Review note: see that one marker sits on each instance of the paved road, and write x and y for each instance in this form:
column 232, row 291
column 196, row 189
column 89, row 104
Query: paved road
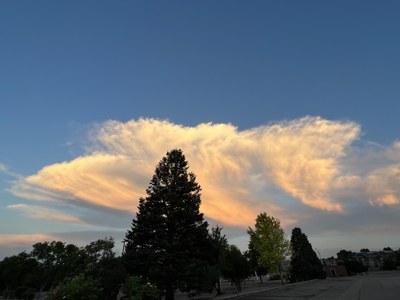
column 375, row 286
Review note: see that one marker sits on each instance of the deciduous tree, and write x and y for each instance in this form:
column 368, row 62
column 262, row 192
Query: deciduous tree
column 235, row 266
column 352, row 265
column 78, row 287
column 269, row 241
column 220, row 244
column 18, row 271
column 252, row 257
column 57, row 261
column 66, row 270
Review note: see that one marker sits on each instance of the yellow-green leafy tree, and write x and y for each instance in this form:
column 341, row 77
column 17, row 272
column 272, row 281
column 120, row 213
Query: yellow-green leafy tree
column 269, row 241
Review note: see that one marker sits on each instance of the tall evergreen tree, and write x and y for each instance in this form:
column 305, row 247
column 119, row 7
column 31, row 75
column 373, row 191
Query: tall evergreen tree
column 168, row 243
column 305, row 264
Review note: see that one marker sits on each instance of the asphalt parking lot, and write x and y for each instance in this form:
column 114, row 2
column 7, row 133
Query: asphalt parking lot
column 374, row 286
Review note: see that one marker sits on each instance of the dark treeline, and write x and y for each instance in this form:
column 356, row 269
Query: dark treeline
column 92, row 270
column 169, row 247
column 365, row 260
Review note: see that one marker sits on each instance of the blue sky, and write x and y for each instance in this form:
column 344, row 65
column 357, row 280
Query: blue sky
column 291, row 74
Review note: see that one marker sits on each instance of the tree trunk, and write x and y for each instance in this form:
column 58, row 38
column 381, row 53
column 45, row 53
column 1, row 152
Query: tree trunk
column 238, row 284
column 259, row 277
column 169, row 294
column 218, row 288
column 280, row 273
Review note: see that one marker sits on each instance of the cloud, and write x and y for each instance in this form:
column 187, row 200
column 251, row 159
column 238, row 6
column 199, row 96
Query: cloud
column 241, row 172
column 45, row 213
column 370, row 175
column 101, row 179
column 311, row 173
column 5, row 170
column 23, row 240
column 383, row 186
column 303, row 156
column 387, row 199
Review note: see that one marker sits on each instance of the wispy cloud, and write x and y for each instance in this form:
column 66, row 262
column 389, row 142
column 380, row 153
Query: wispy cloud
column 310, row 160
column 45, row 213
column 23, row 240
column 5, row 170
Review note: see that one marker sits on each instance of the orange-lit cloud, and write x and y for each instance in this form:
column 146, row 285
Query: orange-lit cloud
column 100, row 179
column 236, row 169
column 303, row 156
column 382, row 186
column 23, row 240
column 385, row 200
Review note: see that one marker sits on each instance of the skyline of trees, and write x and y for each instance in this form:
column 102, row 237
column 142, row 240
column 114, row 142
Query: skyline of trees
column 96, row 270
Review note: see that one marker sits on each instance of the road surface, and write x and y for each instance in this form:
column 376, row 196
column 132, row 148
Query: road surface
column 375, row 286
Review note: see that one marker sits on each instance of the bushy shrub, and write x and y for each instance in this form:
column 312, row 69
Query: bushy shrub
column 136, row 290
column 77, row 288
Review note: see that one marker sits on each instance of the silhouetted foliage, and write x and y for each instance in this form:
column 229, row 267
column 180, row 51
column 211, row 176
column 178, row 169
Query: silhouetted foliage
column 18, row 272
column 344, row 255
column 77, row 288
column 168, row 243
column 397, row 257
column 111, row 274
column 65, row 270
column 231, row 263
column 235, row 266
column 103, row 268
column 252, row 257
column 57, row 261
column 134, row 289
column 305, row 264
column 352, row 265
column 389, row 263
column 220, row 244
column 100, row 250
